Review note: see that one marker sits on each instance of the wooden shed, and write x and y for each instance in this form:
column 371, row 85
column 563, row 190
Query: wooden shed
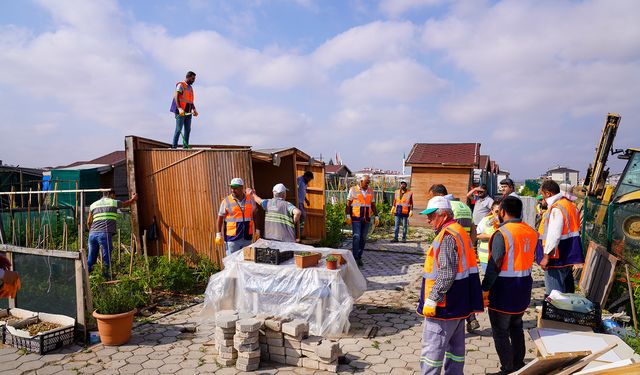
column 273, row 166
column 181, row 190
column 450, row 164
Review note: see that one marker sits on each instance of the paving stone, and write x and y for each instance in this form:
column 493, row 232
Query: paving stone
column 132, row 368
column 248, row 325
column 169, row 368
column 296, row 328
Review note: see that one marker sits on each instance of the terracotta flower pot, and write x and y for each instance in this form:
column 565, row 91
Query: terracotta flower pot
column 341, row 259
column 114, row 329
column 332, row 264
column 304, row 261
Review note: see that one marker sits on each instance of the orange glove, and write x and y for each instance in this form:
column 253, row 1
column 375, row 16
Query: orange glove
column 485, row 299
column 411, row 213
column 348, row 220
column 11, row 284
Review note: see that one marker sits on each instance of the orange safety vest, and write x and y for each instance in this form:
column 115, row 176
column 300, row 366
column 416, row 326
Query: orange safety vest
column 511, row 292
column 238, row 223
column 569, row 250
column 361, row 206
column 402, row 202
column 186, row 96
column 465, row 295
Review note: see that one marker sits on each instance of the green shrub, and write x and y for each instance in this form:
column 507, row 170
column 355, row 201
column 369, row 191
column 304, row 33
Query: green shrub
column 334, row 225
column 175, row 276
column 205, row 267
column 116, row 297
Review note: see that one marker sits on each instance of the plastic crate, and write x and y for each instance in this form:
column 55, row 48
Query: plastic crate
column 591, row 319
column 271, row 256
column 42, row 343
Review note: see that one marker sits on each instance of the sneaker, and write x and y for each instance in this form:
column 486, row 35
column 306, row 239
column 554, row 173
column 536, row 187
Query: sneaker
column 359, row 262
column 394, row 240
column 473, row 325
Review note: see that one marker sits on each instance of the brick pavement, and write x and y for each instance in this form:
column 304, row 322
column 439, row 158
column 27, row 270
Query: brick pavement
column 393, row 283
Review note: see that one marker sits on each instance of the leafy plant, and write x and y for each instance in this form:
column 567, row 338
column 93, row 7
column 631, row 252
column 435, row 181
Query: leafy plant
column 332, row 258
column 174, row 275
column 116, row 297
column 334, row 225
column 205, row 267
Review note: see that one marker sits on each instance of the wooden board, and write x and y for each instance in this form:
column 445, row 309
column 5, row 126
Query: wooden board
column 549, row 364
column 623, row 367
column 598, row 273
column 585, row 361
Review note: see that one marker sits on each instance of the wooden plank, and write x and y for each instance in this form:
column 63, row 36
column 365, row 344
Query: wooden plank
column 609, row 369
column 44, row 252
column 549, row 364
column 585, row 361
column 131, row 182
column 80, row 295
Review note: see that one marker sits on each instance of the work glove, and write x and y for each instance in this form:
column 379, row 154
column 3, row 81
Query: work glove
column 181, row 111
column 195, row 113
column 485, row 299
column 428, row 310
column 393, row 210
column 376, row 221
column 347, row 220
column 411, row 213
column 219, row 240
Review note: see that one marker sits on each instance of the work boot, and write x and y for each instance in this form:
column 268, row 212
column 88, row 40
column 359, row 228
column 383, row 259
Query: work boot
column 404, row 240
column 473, row 324
column 394, row 240
column 359, row 262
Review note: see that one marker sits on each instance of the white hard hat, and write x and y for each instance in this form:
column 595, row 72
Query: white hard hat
column 279, row 188
column 236, row 182
column 435, row 203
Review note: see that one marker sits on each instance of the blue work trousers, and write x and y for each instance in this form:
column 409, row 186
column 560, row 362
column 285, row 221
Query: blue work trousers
column 182, row 121
column 360, row 233
column 99, row 240
column 405, row 224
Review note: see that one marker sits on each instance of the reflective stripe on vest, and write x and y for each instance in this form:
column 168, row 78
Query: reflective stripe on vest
column 186, row 96
column 569, row 249
column 483, row 245
column 402, row 202
column 361, row 206
column 511, row 291
column 236, row 217
column 462, row 214
column 464, row 296
column 104, row 209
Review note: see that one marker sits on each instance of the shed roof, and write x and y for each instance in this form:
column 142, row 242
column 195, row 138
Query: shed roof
column 453, row 154
column 560, row 169
column 484, row 162
column 336, row 168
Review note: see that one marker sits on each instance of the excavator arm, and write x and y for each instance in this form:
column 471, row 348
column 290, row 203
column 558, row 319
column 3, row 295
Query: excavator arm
column 596, row 178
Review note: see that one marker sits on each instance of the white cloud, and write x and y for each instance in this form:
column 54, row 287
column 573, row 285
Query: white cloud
column 403, row 80
column 371, row 42
column 396, row 8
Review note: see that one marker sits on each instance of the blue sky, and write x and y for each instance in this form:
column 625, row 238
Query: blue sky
column 531, row 81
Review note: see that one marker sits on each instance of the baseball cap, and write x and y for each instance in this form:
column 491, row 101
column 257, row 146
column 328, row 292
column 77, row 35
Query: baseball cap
column 279, row 188
column 236, row 182
column 436, row 203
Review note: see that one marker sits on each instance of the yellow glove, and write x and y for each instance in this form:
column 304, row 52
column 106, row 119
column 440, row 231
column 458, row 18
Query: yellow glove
column 485, row 299
column 219, row 240
column 376, row 221
column 393, row 210
column 348, row 220
column 411, row 213
column 428, row 311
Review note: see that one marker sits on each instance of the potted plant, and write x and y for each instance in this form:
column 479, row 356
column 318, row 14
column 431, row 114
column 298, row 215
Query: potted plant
column 341, row 259
column 307, row 259
column 332, row 262
column 115, row 304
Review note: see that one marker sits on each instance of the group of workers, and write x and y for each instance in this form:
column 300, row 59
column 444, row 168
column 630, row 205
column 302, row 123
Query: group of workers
column 452, row 291
column 235, row 227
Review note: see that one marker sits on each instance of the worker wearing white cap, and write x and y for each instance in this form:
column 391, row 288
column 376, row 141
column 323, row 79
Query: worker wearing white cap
column 235, row 218
column 450, row 291
column 280, row 217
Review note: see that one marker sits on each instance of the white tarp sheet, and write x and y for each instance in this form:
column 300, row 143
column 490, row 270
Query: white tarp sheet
column 322, row 297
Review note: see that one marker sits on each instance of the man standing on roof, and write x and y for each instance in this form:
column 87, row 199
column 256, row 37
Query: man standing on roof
column 402, row 208
column 360, row 205
column 303, row 181
column 235, row 218
column 102, row 224
column 280, row 217
column 450, row 291
column 183, row 108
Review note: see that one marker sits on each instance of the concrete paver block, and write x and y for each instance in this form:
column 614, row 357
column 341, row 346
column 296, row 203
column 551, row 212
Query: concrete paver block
column 248, row 325
column 296, row 328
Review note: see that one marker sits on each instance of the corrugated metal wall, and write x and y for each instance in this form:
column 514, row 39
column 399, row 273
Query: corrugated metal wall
column 182, row 190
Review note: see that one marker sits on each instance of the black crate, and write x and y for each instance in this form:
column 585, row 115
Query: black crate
column 43, row 343
column 272, row 256
column 591, row 319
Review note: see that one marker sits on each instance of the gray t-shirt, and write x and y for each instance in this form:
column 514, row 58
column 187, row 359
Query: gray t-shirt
column 481, row 209
column 104, row 215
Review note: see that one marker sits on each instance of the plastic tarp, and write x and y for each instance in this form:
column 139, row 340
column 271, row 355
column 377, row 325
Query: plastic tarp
column 320, row 296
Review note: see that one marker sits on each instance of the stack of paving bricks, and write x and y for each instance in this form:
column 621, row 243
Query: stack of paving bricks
column 246, row 343
column 288, row 342
column 225, row 332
